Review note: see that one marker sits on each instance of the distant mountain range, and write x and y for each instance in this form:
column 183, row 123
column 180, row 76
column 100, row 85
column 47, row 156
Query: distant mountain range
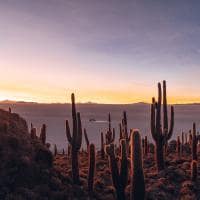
column 92, row 103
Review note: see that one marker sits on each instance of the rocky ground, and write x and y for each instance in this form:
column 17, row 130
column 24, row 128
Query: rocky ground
column 28, row 171
column 172, row 183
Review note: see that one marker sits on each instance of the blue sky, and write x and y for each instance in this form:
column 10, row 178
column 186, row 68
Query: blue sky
column 105, row 51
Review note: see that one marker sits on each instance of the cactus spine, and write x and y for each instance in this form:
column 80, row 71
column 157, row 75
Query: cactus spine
column 194, row 143
column 75, row 140
column 43, row 134
column 119, row 177
column 161, row 136
column 91, row 167
column 137, row 174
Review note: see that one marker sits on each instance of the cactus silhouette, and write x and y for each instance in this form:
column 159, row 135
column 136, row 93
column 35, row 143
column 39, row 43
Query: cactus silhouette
column 145, row 146
column 194, row 143
column 110, row 135
column 182, row 142
column 137, row 174
column 194, row 169
column 86, row 138
column 178, row 147
column 91, row 168
column 55, row 150
column 33, row 133
column 102, row 146
column 119, row 176
column 159, row 134
column 43, row 134
column 75, row 140
column 125, row 126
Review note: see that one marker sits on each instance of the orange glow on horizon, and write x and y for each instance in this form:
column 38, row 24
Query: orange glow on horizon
column 55, row 95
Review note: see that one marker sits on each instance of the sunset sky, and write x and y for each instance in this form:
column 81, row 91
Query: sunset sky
column 106, row 51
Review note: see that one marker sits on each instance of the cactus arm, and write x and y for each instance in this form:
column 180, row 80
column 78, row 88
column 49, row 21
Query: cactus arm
column 86, row 138
column 113, row 135
column 124, row 164
column 102, row 146
column 74, row 117
column 158, row 109
column 153, row 128
column 120, row 131
column 125, row 124
column 169, row 135
column 79, row 133
column 165, row 116
column 109, row 122
column 68, row 134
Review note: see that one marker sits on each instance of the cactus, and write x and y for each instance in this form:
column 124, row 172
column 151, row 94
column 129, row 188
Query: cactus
column 137, row 174
column 86, row 138
column 119, row 177
column 75, row 140
column 55, row 150
column 145, row 146
column 194, row 143
column 120, row 132
column 102, row 146
column 43, row 134
column 124, row 123
column 110, row 136
column 161, row 136
column 109, row 122
column 178, row 147
column 68, row 150
column 91, row 167
column 186, row 138
column 194, row 170
column 190, row 137
column 182, row 142
column 33, row 133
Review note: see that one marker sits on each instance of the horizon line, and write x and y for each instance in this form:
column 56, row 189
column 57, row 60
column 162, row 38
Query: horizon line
column 9, row 101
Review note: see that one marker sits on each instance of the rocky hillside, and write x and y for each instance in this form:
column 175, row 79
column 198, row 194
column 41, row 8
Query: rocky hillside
column 26, row 167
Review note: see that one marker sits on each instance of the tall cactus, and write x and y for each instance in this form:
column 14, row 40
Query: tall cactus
column 43, row 134
column 75, row 140
column 91, row 168
column 119, row 176
column 159, row 134
column 194, row 143
column 137, row 174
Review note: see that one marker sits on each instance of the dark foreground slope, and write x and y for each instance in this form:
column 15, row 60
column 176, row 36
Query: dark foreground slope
column 26, row 166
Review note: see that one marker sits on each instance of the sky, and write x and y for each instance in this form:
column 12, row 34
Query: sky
column 108, row 51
